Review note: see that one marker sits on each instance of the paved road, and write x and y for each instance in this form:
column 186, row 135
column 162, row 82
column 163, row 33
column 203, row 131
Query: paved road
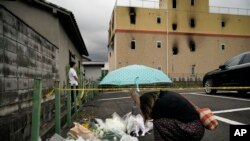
column 229, row 107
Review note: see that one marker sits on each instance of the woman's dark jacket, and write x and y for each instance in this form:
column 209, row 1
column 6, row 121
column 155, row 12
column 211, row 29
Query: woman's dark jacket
column 173, row 105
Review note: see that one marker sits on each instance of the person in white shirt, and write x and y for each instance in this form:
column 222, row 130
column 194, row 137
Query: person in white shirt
column 73, row 79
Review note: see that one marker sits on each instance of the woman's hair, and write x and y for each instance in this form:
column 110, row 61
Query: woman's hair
column 147, row 101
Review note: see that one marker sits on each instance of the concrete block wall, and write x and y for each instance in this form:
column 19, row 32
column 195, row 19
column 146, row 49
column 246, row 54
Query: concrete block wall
column 24, row 56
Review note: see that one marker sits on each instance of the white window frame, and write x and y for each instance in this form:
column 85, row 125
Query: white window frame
column 157, row 44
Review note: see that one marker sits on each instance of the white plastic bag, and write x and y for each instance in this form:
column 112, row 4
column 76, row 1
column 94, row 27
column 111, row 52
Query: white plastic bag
column 128, row 138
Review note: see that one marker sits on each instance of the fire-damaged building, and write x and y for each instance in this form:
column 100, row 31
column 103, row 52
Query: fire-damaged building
column 183, row 38
column 37, row 41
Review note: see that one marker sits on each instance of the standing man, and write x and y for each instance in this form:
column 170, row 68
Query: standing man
column 73, row 79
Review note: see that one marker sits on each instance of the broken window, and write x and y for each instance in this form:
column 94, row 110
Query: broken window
column 174, row 26
column 192, row 46
column 133, row 44
column 192, row 22
column 132, row 15
column 223, row 23
column 158, row 19
column 158, row 44
column 192, row 2
column 174, row 3
column 175, row 50
column 222, row 46
column 159, row 67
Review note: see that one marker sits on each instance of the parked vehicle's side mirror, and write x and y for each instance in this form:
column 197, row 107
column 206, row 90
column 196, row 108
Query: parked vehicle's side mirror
column 222, row 67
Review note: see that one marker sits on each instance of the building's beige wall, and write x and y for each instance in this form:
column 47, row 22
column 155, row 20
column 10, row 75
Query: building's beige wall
column 146, row 51
column 145, row 19
column 47, row 25
column 209, row 23
column 207, row 56
column 200, row 5
column 208, row 35
column 111, row 58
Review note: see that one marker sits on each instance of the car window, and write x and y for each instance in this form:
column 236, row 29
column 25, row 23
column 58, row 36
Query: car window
column 246, row 59
column 233, row 61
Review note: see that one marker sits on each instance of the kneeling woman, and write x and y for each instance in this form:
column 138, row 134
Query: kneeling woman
column 174, row 117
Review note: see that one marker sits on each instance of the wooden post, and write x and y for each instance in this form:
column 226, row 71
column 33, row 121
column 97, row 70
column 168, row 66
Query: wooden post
column 57, row 109
column 36, row 111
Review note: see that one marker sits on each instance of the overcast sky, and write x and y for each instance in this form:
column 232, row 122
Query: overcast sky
column 93, row 17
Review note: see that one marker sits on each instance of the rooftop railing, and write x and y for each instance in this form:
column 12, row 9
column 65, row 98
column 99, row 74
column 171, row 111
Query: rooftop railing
column 229, row 10
column 138, row 3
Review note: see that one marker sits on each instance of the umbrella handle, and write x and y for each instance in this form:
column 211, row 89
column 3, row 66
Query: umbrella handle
column 136, row 84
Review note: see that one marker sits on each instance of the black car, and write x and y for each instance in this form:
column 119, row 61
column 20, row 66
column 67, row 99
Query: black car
column 234, row 73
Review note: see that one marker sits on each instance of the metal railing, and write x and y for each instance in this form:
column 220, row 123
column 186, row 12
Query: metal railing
column 138, row 3
column 229, row 10
column 89, row 90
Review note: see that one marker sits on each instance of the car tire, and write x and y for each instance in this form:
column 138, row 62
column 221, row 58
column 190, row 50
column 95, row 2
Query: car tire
column 209, row 83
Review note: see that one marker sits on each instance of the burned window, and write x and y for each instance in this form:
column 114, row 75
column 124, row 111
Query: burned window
column 159, row 68
column 223, row 23
column 158, row 44
column 158, row 19
column 133, row 44
column 192, row 46
column 192, row 2
column 132, row 15
column 222, row 46
column 175, row 50
column 174, row 26
column 192, row 22
column 174, row 3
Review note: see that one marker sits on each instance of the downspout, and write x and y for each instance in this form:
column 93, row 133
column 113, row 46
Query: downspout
column 167, row 39
column 115, row 47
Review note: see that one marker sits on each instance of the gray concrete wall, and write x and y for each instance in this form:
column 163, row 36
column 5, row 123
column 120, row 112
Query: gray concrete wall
column 24, row 56
column 93, row 72
column 49, row 26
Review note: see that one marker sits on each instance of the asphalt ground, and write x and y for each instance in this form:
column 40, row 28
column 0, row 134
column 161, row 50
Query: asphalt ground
column 230, row 108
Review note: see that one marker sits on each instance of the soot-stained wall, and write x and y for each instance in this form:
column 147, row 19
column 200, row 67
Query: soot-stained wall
column 24, row 56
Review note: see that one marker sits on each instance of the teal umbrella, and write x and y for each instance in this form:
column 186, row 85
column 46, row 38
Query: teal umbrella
column 135, row 75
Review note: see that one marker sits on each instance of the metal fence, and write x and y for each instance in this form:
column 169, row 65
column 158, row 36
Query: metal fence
column 85, row 93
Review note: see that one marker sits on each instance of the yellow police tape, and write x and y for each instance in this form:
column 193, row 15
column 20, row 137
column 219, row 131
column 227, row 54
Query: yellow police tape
column 158, row 88
column 50, row 93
